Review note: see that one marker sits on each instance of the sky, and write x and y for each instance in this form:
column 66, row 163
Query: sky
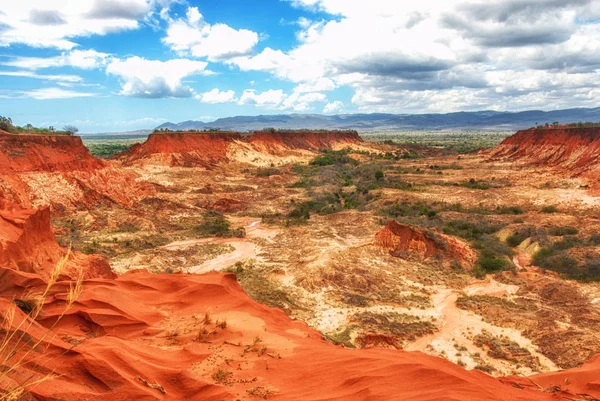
column 121, row 65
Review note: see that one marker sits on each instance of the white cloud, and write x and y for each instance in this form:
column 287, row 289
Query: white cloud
column 84, row 59
column 55, row 24
column 215, row 96
column 54, row 93
column 320, row 85
column 277, row 99
column 153, row 78
column 194, row 36
column 29, row 74
column 270, row 99
column 334, row 107
column 443, row 56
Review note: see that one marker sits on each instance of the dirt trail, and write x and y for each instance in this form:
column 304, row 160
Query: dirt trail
column 244, row 248
column 455, row 326
column 444, row 303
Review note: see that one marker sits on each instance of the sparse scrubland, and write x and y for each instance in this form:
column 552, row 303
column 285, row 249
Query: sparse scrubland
column 435, row 248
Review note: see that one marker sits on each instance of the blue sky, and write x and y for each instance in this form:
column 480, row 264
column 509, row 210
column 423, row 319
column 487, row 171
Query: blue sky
column 119, row 65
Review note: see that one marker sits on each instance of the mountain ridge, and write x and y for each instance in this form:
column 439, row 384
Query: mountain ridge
column 481, row 120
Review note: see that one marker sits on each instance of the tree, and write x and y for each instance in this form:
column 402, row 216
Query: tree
column 71, row 129
column 6, row 124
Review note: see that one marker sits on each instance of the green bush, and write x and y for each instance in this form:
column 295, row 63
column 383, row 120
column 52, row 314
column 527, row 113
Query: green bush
column 475, row 184
column 331, row 157
column 562, row 231
column 549, row 209
column 510, row 210
column 214, row 225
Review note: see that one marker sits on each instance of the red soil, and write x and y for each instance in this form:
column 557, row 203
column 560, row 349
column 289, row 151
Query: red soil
column 575, row 151
column 206, row 149
column 142, row 336
column 184, row 149
column 58, row 170
column 277, row 143
column 403, row 241
column 27, row 243
column 144, row 326
column 32, row 153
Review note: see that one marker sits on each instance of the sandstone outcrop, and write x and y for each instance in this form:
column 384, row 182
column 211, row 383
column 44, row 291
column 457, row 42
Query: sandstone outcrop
column 207, row 149
column 28, row 244
column 574, row 151
column 408, row 242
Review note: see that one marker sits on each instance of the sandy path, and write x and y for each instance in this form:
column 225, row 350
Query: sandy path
column 243, row 248
column 444, row 303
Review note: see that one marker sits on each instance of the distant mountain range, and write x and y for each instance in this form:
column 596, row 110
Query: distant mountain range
column 477, row 120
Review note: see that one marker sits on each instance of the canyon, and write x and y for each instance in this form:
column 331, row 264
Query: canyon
column 299, row 265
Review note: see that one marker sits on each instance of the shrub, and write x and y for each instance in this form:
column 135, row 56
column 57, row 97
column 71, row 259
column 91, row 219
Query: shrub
column 70, row 129
column 330, row 157
column 562, row 231
column 214, row 225
column 6, row 124
column 267, row 172
column 594, row 239
column 559, row 262
column 475, row 184
column 549, row 209
column 510, row 210
column 516, row 239
column 379, row 175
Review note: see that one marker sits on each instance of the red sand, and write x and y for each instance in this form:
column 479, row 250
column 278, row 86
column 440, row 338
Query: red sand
column 144, row 325
column 27, row 243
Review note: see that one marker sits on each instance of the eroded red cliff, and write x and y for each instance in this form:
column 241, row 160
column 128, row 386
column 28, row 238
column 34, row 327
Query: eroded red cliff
column 207, row 149
column 575, row 151
column 34, row 153
column 58, row 170
column 184, row 149
column 408, row 242
column 28, row 244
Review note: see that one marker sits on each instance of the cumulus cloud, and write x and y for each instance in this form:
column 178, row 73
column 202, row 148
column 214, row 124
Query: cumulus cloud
column 193, row 36
column 216, row 96
column 277, row 99
column 333, row 107
column 154, row 79
column 58, row 23
column 442, row 56
column 270, row 99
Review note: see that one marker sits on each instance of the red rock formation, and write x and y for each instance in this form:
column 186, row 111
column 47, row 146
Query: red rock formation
column 34, row 153
column 404, row 241
column 58, row 170
column 184, row 149
column 277, row 143
column 206, row 149
column 575, row 151
column 137, row 338
column 28, row 244
column 228, row 205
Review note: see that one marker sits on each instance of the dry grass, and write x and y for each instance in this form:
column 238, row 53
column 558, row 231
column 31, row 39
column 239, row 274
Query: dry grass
column 16, row 350
column 222, row 376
